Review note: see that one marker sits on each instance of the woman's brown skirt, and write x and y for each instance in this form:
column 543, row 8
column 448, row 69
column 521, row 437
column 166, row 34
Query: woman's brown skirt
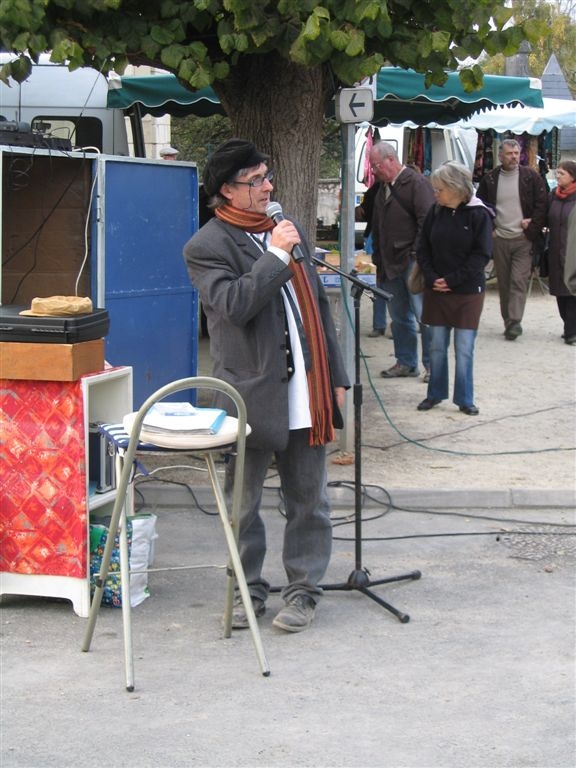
column 454, row 310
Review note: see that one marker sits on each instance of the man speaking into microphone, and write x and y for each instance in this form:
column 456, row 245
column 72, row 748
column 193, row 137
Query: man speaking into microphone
column 272, row 337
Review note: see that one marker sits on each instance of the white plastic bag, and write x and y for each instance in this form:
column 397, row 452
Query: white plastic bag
column 142, row 553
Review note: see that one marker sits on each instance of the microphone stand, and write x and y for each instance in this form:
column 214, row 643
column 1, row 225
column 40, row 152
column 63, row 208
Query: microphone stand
column 359, row 579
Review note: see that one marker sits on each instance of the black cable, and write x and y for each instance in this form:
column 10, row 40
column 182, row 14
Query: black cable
column 188, row 487
column 421, row 443
column 47, row 217
column 481, row 424
column 485, row 517
column 389, row 506
column 498, row 535
column 37, row 232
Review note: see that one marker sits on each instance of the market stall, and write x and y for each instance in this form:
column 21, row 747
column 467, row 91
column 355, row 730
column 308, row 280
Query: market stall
column 536, row 129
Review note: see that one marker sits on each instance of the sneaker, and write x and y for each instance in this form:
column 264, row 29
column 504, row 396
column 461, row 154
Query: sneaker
column 376, row 332
column 297, row 614
column 239, row 616
column 399, row 371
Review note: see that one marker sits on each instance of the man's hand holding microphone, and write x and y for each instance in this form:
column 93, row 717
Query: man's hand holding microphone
column 284, row 235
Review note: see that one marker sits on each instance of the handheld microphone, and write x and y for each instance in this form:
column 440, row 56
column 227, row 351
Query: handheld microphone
column 274, row 211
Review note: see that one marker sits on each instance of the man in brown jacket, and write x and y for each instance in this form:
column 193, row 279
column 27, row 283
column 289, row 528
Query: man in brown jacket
column 404, row 199
column 518, row 194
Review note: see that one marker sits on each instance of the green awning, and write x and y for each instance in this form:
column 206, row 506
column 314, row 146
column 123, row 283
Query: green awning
column 400, row 97
column 162, row 95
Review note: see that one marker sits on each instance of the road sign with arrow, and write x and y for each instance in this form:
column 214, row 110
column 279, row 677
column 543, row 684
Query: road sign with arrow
column 354, row 105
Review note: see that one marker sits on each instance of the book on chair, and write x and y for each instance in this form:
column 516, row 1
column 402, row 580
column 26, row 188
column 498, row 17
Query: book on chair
column 184, row 418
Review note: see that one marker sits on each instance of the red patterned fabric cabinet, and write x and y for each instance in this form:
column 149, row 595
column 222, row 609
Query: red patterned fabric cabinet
column 45, row 497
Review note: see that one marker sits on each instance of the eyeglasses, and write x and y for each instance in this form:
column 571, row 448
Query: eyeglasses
column 257, row 181
column 377, row 165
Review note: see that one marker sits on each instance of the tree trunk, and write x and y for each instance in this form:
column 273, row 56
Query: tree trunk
column 265, row 113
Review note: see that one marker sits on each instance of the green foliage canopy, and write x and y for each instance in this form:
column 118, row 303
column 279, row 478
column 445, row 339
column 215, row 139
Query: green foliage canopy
column 202, row 41
column 559, row 17
column 275, row 64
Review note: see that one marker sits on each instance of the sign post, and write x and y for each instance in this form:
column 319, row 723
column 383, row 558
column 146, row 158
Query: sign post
column 353, row 105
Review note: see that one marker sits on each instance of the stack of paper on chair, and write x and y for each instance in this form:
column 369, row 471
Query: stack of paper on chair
column 185, row 427
column 183, row 418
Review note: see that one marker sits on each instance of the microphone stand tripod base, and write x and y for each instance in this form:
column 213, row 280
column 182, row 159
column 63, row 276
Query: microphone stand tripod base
column 359, row 580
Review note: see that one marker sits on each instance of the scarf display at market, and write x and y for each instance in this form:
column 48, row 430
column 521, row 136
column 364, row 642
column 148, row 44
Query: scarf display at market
column 319, row 384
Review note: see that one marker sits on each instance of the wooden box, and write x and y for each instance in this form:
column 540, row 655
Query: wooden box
column 50, row 362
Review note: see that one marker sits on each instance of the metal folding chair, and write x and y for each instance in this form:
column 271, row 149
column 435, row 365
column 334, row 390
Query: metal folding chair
column 205, row 447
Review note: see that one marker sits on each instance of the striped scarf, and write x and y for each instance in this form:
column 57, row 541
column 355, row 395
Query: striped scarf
column 246, row 220
column 319, row 384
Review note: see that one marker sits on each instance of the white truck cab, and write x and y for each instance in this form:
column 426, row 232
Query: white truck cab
column 61, row 109
column 444, row 144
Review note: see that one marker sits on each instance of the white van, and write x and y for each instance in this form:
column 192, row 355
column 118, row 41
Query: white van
column 444, row 144
column 60, row 109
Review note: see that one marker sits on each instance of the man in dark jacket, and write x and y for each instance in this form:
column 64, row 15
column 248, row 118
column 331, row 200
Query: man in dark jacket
column 518, row 195
column 272, row 337
column 365, row 212
column 404, row 199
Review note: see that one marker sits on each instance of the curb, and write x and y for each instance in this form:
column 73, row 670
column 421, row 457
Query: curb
column 159, row 494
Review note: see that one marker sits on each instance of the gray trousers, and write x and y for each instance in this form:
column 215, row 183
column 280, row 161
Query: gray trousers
column 307, row 544
column 513, row 264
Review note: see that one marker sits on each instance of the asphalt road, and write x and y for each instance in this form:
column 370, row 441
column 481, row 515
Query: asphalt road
column 483, row 673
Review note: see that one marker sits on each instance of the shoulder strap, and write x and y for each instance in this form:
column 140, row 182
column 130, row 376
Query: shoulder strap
column 400, row 202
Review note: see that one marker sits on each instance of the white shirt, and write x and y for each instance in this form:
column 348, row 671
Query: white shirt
column 298, row 397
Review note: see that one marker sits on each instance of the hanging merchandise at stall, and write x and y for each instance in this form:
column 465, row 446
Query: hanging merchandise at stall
column 537, row 129
column 540, row 152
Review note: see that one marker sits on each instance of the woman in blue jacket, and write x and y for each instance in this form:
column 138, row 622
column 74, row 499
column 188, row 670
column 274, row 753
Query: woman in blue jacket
column 453, row 250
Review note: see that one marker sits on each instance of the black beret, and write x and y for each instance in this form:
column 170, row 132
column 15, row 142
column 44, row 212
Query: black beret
column 224, row 163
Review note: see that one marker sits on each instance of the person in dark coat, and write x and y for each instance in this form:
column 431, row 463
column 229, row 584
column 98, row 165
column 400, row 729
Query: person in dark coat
column 561, row 207
column 272, row 337
column 365, row 212
column 403, row 200
column 454, row 247
column 518, row 194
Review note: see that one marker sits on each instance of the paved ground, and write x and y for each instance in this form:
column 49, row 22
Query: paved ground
column 481, row 676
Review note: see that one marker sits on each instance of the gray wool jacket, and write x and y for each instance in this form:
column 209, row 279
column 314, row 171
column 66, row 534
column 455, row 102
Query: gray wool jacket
column 240, row 290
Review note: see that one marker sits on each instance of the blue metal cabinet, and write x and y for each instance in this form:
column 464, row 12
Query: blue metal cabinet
column 144, row 212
